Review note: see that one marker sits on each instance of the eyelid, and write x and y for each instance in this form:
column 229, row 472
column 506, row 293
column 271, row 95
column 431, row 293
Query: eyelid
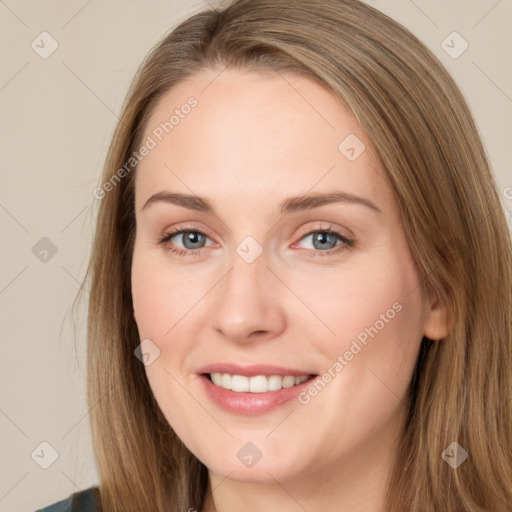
column 347, row 241
column 325, row 226
column 163, row 239
column 177, row 228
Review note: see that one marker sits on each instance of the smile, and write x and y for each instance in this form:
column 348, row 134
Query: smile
column 255, row 384
column 255, row 394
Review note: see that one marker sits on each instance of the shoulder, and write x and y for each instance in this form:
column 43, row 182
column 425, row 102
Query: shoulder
column 87, row 500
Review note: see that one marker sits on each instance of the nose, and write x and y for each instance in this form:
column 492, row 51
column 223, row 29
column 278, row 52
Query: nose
column 248, row 305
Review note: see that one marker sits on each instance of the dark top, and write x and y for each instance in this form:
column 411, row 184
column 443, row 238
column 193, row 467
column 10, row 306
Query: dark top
column 87, row 500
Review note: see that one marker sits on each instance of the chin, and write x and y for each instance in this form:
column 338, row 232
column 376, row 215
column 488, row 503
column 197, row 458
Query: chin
column 255, row 462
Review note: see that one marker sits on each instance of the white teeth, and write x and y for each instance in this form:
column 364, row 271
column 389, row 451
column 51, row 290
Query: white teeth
column 257, row 384
column 275, row 383
column 288, row 381
column 226, row 380
column 240, row 383
column 217, row 379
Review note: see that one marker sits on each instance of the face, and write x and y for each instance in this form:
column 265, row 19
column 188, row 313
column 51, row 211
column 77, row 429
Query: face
column 257, row 291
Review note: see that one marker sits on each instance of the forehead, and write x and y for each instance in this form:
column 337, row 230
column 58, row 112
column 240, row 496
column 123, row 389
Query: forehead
column 251, row 135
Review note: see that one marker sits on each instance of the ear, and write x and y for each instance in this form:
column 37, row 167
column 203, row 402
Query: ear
column 437, row 322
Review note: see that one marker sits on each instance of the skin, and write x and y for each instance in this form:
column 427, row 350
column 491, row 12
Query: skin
column 252, row 141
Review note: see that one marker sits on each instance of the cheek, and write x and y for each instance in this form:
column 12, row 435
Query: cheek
column 162, row 294
column 354, row 300
column 372, row 316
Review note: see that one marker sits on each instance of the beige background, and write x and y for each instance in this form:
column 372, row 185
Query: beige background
column 57, row 117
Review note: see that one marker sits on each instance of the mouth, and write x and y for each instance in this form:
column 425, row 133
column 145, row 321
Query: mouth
column 252, row 389
column 256, row 383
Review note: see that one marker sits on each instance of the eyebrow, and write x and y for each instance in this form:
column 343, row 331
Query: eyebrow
column 290, row 205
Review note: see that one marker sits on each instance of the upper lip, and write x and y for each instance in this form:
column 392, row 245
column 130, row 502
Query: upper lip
column 251, row 370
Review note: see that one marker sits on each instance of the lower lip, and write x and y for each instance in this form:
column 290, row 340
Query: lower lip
column 251, row 404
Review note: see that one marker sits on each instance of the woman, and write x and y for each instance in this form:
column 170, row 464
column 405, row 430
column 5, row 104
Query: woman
column 235, row 361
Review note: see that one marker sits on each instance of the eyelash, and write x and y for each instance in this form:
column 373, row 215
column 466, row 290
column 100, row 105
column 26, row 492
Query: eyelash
column 346, row 242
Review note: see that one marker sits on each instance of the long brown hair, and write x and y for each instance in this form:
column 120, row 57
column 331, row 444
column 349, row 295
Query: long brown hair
column 427, row 142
